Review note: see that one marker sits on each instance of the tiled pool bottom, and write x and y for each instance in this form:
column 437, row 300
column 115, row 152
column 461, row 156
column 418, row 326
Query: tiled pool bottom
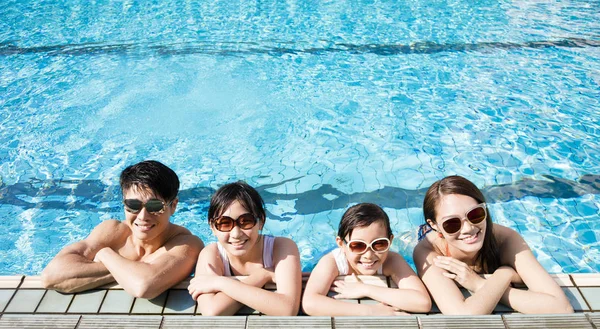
column 25, row 304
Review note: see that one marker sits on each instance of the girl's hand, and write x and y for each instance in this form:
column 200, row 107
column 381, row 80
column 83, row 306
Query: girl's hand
column 204, row 284
column 350, row 290
column 459, row 272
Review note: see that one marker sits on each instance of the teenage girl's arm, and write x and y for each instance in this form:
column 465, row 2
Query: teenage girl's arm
column 440, row 275
column 288, row 278
column 74, row 269
column 411, row 295
column 544, row 295
column 211, row 301
column 316, row 301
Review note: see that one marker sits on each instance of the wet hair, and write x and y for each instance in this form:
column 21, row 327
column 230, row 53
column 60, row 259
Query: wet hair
column 363, row 215
column 489, row 257
column 152, row 175
column 239, row 191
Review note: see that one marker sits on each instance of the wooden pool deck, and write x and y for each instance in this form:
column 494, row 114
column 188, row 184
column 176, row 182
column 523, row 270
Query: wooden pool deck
column 25, row 304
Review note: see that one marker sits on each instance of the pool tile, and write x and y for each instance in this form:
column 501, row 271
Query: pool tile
column 119, row 321
column 204, row 322
column 562, row 280
column 313, row 322
column 149, row 306
column 5, row 295
column 87, row 301
column 54, row 302
column 25, row 301
column 117, row 301
column 462, row 321
column 33, row 282
column 348, row 322
column 562, row 321
column 592, row 295
column 179, row 302
column 12, row 321
column 586, row 279
column 7, row 282
column 575, row 299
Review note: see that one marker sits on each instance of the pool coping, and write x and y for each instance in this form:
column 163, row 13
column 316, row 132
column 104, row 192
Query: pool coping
column 23, row 299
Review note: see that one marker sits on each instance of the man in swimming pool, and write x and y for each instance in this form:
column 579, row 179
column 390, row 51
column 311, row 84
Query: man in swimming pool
column 146, row 254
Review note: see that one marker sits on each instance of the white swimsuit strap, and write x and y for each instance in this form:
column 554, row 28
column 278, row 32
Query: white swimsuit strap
column 223, row 253
column 268, row 242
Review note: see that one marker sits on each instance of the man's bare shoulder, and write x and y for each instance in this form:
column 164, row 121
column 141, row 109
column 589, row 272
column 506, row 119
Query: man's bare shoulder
column 109, row 231
column 182, row 236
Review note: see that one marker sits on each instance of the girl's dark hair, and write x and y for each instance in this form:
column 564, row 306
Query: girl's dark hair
column 488, row 257
column 239, row 191
column 151, row 175
column 362, row 215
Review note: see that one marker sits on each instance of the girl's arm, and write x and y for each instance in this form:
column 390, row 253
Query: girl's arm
column 284, row 301
column 440, row 275
column 544, row 295
column 316, row 301
column 411, row 295
column 203, row 288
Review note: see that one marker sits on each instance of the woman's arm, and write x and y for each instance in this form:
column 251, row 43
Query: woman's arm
column 544, row 295
column 316, row 301
column 440, row 275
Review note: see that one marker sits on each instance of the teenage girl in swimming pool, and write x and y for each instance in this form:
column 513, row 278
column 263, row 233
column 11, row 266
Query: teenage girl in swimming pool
column 236, row 216
column 364, row 239
column 459, row 242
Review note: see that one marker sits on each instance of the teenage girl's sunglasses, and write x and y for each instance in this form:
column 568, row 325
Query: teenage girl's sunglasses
column 153, row 206
column 360, row 247
column 474, row 215
column 226, row 223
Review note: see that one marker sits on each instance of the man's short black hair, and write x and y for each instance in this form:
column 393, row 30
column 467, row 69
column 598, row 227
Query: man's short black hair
column 151, row 175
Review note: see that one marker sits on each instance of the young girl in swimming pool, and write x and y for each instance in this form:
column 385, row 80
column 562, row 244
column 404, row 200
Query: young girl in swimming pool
column 465, row 244
column 236, row 217
column 364, row 239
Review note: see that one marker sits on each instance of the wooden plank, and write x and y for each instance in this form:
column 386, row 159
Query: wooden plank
column 204, row 322
column 12, row 321
column 294, row 322
column 558, row 321
column 462, row 321
column 349, row 322
column 120, row 322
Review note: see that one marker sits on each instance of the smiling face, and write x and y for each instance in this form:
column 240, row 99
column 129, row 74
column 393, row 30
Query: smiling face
column 146, row 226
column 469, row 239
column 369, row 262
column 238, row 242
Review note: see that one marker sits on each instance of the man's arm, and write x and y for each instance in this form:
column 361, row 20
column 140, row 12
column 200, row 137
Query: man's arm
column 73, row 269
column 148, row 280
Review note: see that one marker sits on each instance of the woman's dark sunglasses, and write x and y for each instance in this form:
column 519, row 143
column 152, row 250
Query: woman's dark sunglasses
column 474, row 215
column 360, row 247
column 153, row 206
column 226, row 223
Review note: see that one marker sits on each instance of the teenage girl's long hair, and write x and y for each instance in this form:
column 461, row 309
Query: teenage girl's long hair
column 488, row 258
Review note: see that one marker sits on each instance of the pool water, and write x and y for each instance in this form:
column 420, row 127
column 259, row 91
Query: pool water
column 319, row 105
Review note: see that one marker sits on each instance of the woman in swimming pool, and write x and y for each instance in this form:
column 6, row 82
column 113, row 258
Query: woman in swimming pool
column 465, row 243
column 364, row 239
column 236, row 216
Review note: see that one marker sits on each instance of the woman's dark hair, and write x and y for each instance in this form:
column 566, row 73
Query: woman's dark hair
column 362, row 215
column 239, row 191
column 151, row 175
column 488, row 257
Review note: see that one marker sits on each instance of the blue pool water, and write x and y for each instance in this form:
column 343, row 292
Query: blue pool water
column 319, row 104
